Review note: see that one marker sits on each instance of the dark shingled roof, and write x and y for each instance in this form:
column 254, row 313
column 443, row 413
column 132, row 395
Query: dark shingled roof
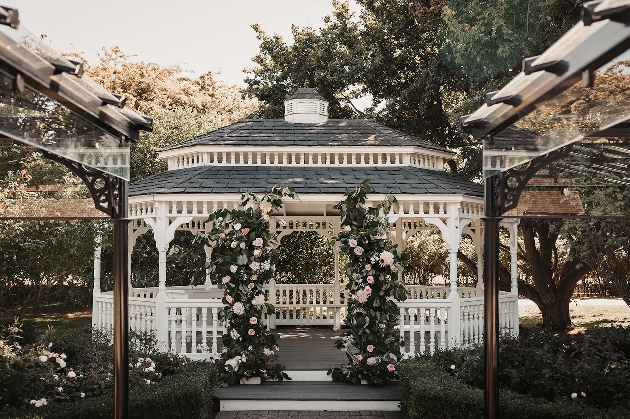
column 333, row 132
column 306, row 180
column 306, row 93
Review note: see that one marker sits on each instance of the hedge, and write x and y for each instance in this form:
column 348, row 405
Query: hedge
column 429, row 393
column 184, row 396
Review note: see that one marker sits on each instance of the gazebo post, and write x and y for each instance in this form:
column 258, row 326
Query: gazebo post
column 491, row 297
column 121, row 320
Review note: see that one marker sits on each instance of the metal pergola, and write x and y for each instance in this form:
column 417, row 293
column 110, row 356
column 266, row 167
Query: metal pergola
column 47, row 102
column 600, row 37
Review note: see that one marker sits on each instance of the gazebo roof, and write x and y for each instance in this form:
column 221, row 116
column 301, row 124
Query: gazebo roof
column 333, row 132
column 317, row 180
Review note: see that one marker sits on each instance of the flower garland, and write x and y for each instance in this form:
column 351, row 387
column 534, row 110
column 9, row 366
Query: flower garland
column 242, row 264
column 373, row 342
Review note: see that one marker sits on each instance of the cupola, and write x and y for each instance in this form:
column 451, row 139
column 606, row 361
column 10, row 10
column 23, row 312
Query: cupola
column 306, row 106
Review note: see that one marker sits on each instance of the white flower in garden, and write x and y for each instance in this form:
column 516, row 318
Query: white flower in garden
column 234, row 334
column 229, row 299
column 39, row 403
column 347, row 229
column 222, row 236
column 233, row 245
column 370, row 279
column 225, row 279
column 268, row 352
column 453, row 367
column 71, row 374
column 259, row 300
column 82, row 394
column 254, row 266
column 147, row 381
column 43, row 358
column 352, row 242
column 237, row 226
column 257, row 253
column 60, row 389
column 358, row 250
column 265, row 266
column 254, row 277
column 390, row 367
column 253, row 320
column 361, row 297
column 63, row 356
column 233, row 268
column 258, row 242
column 265, row 207
column 574, row 396
column 386, row 258
column 245, row 231
column 582, row 394
column 55, row 377
column 61, row 362
column 372, row 361
column 239, row 308
column 232, row 363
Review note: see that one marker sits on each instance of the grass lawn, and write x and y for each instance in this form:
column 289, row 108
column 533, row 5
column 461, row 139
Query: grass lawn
column 60, row 320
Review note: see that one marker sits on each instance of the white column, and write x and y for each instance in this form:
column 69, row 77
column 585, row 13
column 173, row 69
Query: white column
column 97, row 281
column 512, row 226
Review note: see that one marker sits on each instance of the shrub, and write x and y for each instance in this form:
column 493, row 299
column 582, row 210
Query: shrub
column 430, row 393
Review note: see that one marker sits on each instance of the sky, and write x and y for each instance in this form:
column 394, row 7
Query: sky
column 198, row 35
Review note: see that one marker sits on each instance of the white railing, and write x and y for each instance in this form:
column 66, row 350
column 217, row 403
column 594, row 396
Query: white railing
column 186, row 319
column 306, row 304
column 193, row 328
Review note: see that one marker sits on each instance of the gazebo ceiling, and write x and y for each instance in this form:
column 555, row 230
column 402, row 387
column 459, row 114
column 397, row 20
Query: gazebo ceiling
column 306, row 180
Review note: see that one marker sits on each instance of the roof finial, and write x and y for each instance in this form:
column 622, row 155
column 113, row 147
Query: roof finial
column 306, row 84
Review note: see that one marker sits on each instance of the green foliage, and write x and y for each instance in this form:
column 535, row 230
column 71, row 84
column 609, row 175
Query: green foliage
column 373, row 342
column 589, row 369
column 426, row 386
column 425, row 257
column 243, row 262
column 293, row 268
column 71, row 373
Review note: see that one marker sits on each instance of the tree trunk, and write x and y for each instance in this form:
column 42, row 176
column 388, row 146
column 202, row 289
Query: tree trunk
column 555, row 314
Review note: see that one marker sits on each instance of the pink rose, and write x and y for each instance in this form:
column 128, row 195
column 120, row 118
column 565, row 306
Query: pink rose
column 229, row 299
column 370, row 279
column 359, row 358
column 352, row 242
column 265, row 217
column 251, row 332
column 370, row 348
column 368, row 290
column 368, row 267
column 257, row 253
column 225, row 279
column 358, row 250
column 393, row 268
column 390, row 367
column 253, row 320
column 245, row 230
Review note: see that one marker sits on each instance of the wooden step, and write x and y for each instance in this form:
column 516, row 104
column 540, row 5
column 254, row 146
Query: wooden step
column 309, row 396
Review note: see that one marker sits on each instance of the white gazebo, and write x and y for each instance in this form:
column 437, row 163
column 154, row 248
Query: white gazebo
column 321, row 158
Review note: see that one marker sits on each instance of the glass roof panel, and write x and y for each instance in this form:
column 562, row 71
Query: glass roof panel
column 566, row 119
column 33, row 118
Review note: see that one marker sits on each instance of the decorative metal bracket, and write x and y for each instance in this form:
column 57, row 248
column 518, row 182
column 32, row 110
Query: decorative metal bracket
column 512, row 183
column 106, row 190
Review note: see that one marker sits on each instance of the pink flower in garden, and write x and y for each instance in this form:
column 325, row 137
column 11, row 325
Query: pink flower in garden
column 368, row 267
column 393, row 357
column 359, row 358
column 370, row 279
column 225, row 279
column 255, row 266
column 258, row 242
column 372, row 361
column 346, row 294
column 233, row 245
column 368, row 290
column 352, row 242
column 257, row 253
column 265, row 217
column 245, row 231
column 254, row 277
column 347, row 229
column 222, row 236
column 251, row 332
column 390, row 367
column 358, row 250
column 229, row 299
column 393, row 268
column 370, row 348
column 253, row 320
